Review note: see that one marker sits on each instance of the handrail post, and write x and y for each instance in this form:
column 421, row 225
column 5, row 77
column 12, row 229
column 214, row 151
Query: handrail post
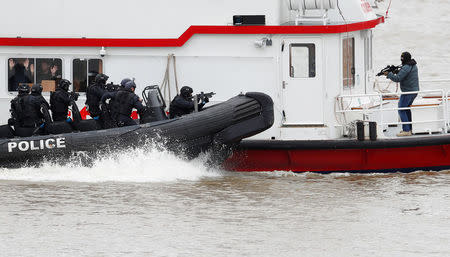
column 445, row 110
column 381, row 112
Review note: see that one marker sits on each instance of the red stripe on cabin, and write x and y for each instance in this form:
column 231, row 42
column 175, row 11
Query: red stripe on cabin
column 192, row 30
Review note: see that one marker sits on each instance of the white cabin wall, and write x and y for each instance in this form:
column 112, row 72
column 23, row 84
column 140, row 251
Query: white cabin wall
column 125, row 19
column 333, row 82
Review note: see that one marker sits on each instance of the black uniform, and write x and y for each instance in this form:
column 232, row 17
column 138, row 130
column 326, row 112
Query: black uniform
column 93, row 96
column 38, row 97
column 121, row 105
column 59, row 104
column 181, row 106
column 26, row 111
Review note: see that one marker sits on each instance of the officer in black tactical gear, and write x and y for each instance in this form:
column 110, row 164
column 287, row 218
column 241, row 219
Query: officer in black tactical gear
column 183, row 103
column 94, row 95
column 122, row 103
column 60, row 100
column 36, row 92
column 16, row 108
column 26, row 112
column 124, row 82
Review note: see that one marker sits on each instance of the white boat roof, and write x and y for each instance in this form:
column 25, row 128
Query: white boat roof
column 137, row 19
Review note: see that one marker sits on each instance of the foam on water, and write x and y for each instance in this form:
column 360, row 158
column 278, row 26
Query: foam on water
column 137, row 165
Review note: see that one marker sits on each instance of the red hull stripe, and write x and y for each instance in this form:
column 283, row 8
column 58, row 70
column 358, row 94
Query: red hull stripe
column 341, row 160
column 177, row 42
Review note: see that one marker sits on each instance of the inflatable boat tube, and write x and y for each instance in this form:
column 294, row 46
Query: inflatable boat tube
column 223, row 124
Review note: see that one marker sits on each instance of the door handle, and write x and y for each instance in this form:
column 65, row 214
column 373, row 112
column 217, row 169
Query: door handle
column 284, row 84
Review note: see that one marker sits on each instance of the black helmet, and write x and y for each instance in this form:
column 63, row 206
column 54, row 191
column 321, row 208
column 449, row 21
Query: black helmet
column 130, row 84
column 101, row 78
column 406, row 57
column 23, row 89
column 186, row 91
column 36, row 88
column 64, row 84
column 124, row 82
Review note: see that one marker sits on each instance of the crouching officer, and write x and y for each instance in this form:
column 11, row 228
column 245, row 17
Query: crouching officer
column 183, row 103
column 122, row 103
column 60, row 100
column 94, row 95
column 26, row 113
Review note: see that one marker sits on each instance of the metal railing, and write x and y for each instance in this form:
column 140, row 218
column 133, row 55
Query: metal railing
column 378, row 107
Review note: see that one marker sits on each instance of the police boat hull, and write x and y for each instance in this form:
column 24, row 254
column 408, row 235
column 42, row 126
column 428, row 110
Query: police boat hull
column 223, row 124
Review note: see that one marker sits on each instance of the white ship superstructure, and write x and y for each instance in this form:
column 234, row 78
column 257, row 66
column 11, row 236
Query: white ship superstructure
column 302, row 53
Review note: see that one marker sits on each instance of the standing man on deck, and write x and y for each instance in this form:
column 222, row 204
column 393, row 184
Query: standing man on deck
column 408, row 77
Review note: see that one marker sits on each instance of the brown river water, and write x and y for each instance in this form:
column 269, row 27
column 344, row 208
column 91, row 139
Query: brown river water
column 156, row 204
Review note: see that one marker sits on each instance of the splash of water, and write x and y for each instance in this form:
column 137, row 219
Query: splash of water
column 150, row 164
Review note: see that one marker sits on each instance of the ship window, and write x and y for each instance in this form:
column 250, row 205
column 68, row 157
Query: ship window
column 84, row 72
column 302, row 61
column 46, row 71
column 348, row 50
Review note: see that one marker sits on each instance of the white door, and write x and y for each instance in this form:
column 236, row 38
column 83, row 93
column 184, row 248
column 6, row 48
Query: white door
column 302, row 82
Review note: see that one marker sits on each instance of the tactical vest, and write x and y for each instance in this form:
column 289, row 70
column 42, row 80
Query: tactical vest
column 56, row 103
column 123, row 102
column 27, row 111
column 176, row 110
column 91, row 97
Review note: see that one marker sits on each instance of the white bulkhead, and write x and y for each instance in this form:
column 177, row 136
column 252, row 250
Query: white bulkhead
column 302, row 67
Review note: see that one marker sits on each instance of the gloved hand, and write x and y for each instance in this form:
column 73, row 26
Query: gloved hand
column 11, row 121
column 69, row 120
column 74, row 96
column 206, row 100
column 96, row 118
column 42, row 125
column 103, row 107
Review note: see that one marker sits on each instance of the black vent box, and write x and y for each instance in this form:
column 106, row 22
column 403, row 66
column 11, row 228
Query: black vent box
column 239, row 20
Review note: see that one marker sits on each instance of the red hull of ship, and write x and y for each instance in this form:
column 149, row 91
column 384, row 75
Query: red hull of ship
column 402, row 159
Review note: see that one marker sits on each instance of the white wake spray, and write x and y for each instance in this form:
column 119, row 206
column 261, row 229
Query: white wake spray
column 135, row 165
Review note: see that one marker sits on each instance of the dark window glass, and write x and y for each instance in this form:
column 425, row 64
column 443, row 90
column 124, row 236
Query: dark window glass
column 84, row 72
column 48, row 73
column 348, row 51
column 302, row 61
column 79, row 75
column 20, row 70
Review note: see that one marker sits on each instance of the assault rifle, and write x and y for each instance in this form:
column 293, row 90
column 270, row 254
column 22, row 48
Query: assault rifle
column 73, row 96
column 111, row 87
column 390, row 68
column 204, row 97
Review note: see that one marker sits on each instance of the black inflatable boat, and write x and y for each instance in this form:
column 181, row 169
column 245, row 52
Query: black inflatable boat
column 223, row 124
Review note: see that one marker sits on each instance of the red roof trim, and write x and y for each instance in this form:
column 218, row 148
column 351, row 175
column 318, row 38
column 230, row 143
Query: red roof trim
column 177, row 42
